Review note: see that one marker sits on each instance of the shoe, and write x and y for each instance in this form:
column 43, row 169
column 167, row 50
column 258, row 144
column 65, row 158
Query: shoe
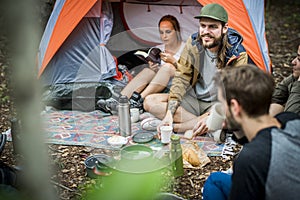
column 136, row 101
column 108, row 105
column 137, row 104
column 136, row 96
column 150, row 124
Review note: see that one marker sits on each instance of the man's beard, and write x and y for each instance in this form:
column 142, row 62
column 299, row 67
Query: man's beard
column 232, row 124
column 234, row 127
column 216, row 41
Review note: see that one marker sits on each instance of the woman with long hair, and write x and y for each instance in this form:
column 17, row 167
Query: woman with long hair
column 157, row 77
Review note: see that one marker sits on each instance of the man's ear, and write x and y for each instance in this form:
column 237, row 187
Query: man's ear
column 225, row 28
column 235, row 108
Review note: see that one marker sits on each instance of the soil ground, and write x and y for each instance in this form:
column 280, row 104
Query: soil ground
column 283, row 35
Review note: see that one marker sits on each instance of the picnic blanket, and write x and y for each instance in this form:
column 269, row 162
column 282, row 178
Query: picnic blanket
column 92, row 129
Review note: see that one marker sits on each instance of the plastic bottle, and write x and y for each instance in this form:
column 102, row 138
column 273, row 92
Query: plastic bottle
column 124, row 116
column 176, row 156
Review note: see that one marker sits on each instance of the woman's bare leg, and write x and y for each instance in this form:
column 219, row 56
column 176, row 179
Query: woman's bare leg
column 160, row 80
column 156, row 104
column 139, row 82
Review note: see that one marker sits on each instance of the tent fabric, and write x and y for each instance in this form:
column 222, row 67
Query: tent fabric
column 47, row 36
column 82, row 56
column 107, row 61
column 254, row 7
column 73, row 47
column 61, row 24
column 147, row 30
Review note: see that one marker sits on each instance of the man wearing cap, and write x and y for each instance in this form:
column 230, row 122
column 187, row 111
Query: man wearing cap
column 193, row 91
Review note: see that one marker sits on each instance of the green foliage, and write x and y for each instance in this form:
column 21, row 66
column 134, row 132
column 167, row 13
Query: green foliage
column 128, row 186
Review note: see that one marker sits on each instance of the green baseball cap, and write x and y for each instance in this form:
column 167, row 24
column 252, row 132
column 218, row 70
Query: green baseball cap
column 214, row 11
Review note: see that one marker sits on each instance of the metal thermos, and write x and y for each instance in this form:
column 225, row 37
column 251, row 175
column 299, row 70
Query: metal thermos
column 124, row 116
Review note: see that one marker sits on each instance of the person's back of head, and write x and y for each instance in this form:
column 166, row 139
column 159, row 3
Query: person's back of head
column 250, row 86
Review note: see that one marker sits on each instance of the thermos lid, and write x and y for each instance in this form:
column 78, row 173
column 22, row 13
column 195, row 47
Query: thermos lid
column 123, row 99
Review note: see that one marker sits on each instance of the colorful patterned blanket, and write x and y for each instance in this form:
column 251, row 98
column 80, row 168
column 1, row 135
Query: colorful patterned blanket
column 94, row 128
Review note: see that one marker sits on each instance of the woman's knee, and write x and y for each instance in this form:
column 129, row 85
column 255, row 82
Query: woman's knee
column 151, row 100
column 147, row 102
column 169, row 68
column 148, row 70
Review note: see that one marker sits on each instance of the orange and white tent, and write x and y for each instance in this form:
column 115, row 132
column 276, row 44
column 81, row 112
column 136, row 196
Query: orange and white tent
column 81, row 35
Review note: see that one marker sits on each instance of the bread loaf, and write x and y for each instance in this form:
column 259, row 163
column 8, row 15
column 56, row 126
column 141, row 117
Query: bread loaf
column 190, row 156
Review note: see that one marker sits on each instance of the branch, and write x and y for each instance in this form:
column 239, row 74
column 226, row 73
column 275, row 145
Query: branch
column 65, row 187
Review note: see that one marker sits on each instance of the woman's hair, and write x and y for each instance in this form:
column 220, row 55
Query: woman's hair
column 175, row 24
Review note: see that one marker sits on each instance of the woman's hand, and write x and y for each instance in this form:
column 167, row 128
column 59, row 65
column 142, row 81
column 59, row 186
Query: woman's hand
column 167, row 58
column 153, row 66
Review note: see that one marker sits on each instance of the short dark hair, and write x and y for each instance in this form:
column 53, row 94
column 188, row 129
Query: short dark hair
column 174, row 22
column 250, row 86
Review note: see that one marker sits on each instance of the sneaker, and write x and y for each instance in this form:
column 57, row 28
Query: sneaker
column 136, row 101
column 150, row 124
column 108, row 105
column 137, row 104
column 136, row 96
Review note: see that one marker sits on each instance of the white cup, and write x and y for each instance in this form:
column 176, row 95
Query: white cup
column 165, row 134
column 216, row 117
column 135, row 115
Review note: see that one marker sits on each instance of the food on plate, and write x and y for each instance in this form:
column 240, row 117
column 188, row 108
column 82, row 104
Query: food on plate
column 191, row 156
column 117, row 140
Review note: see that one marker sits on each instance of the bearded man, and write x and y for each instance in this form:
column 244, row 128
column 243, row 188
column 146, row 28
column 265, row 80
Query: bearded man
column 193, row 90
column 260, row 169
